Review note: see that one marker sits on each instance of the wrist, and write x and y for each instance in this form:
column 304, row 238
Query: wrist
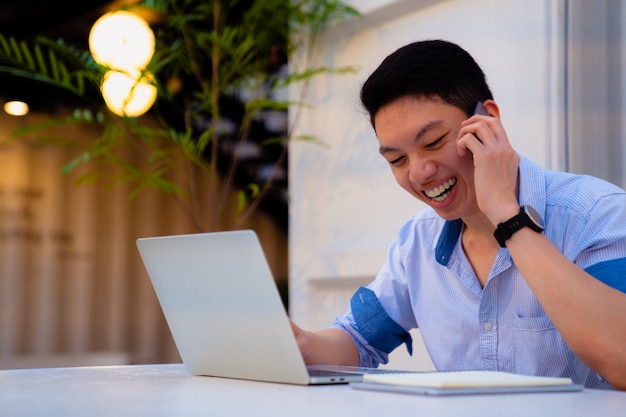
column 526, row 217
column 504, row 213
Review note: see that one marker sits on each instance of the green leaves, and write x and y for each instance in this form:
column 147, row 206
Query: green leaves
column 213, row 51
column 46, row 61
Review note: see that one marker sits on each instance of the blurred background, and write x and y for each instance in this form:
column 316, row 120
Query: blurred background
column 72, row 288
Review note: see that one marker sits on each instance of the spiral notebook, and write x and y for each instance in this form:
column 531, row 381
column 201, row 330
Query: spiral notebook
column 464, row 382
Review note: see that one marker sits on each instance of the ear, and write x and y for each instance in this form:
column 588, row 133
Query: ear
column 492, row 108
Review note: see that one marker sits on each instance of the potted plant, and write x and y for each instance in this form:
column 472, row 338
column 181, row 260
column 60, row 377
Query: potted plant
column 218, row 69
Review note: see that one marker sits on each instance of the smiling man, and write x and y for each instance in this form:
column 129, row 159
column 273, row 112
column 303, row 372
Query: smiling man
column 511, row 267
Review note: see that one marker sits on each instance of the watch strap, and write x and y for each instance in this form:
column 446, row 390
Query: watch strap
column 505, row 230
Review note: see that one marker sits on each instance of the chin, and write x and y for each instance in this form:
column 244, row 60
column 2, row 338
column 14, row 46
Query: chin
column 446, row 213
column 448, row 217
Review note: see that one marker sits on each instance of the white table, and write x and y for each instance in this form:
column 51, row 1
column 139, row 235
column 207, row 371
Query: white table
column 168, row 390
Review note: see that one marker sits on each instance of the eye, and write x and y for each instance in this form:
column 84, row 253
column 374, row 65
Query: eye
column 436, row 144
column 397, row 161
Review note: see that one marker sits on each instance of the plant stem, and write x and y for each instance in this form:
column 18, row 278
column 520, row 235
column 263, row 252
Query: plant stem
column 215, row 114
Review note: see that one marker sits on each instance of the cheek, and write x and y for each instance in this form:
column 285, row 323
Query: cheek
column 463, row 163
column 466, row 165
column 466, row 170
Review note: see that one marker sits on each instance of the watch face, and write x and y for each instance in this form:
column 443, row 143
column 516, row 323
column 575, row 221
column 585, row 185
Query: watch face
column 534, row 216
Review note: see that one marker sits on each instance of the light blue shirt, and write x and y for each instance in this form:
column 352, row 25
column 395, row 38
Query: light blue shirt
column 428, row 283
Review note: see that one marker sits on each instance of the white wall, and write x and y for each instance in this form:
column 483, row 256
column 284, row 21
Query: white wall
column 345, row 206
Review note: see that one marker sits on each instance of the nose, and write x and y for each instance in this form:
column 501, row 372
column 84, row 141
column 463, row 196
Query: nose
column 421, row 170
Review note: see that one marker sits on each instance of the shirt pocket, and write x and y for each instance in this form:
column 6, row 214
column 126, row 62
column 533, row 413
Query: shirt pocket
column 540, row 349
column 533, row 324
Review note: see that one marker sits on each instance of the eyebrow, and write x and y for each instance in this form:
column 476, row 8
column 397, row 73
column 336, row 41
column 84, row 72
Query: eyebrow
column 425, row 129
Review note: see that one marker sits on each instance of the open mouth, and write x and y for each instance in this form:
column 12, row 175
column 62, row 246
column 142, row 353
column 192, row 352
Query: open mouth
column 438, row 194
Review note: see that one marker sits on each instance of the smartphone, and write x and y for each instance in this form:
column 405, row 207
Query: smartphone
column 480, row 109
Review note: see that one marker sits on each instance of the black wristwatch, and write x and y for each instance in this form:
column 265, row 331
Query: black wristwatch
column 527, row 217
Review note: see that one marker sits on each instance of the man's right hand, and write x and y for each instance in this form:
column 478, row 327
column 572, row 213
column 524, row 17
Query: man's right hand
column 328, row 346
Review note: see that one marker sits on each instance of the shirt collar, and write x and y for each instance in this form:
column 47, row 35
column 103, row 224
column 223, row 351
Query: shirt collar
column 447, row 240
column 532, row 192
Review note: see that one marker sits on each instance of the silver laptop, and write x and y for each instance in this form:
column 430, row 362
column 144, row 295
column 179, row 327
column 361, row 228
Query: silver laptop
column 224, row 311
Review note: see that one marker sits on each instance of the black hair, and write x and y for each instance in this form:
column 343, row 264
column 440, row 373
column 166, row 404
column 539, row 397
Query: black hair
column 431, row 68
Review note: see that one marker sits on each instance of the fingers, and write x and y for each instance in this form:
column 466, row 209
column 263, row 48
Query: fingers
column 467, row 143
column 495, row 162
column 480, row 134
column 294, row 328
column 299, row 334
column 301, row 340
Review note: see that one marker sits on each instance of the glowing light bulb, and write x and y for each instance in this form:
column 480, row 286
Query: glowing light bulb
column 121, row 40
column 16, row 108
column 128, row 94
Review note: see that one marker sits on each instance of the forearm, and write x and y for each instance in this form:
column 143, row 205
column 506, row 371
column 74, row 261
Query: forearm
column 590, row 315
column 330, row 346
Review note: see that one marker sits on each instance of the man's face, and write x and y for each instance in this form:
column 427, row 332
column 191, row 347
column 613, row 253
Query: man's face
column 418, row 139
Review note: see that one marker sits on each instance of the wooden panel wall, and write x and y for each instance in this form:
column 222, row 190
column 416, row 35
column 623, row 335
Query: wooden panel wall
column 72, row 285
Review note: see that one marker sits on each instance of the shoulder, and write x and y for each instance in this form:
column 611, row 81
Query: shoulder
column 585, row 186
column 422, row 229
column 585, row 217
column 564, row 191
column 425, row 220
column 581, row 193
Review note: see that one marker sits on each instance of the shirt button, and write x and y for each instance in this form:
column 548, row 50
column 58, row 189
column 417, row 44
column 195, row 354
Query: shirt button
column 487, row 326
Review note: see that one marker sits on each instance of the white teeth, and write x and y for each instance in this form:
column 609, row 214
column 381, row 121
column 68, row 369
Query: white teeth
column 440, row 193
